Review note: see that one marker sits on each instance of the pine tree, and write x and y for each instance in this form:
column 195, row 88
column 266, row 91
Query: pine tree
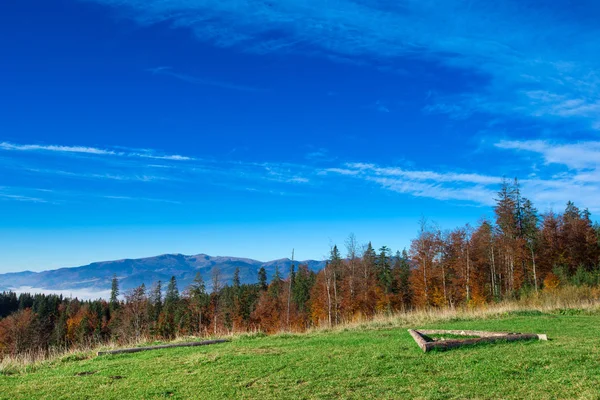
column 507, row 222
column 384, row 270
column 155, row 302
column 276, row 283
column 198, row 300
column 291, row 276
column 401, row 279
column 262, row 279
column 369, row 262
column 236, row 279
column 197, row 288
column 367, row 281
column 114, row 293
column 303, row 283
column 334, row 278
column 506, row 207
column 172, row 295
column 168, row 320
column 60, row 329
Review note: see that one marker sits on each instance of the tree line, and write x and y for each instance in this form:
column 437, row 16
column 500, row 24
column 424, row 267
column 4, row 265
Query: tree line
column 517, row 253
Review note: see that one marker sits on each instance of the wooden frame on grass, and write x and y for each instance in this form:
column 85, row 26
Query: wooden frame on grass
column 426, row 343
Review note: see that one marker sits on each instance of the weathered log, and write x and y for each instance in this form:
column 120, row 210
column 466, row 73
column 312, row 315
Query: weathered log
column 453, row 343
column 165, row 346
column 421, row 342
column 463, row 333
column 483, row 337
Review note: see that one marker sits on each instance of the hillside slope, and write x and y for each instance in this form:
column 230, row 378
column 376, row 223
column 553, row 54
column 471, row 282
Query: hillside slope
column 370, row 361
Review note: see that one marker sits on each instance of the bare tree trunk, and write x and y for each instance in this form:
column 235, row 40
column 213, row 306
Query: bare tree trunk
column 352, row 272
column 335, row 297
column 328, row 284
column 493, row 273
column 290, row 292
column 216, row 275
column 500, row 284
column 365, row 283
column 512, row 273
column 425, row 282
column 535, row 283
column 468, row 283
column 444, row 284
column 424, row 255
column 200, row 322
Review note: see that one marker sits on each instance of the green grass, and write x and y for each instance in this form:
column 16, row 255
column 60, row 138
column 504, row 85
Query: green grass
column 370, row 361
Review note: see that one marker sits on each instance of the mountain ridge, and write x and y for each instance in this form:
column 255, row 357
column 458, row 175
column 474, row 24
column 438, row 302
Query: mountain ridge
column 132, row 272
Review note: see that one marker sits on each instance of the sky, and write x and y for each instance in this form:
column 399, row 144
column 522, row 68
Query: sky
column 132, row 128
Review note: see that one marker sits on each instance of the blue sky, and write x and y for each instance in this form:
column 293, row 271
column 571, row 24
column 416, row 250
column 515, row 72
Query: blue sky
column 131, row 128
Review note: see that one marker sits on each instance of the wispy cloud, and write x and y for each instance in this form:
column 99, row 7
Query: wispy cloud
column 473, row 188
column 49, row 196
column 380, row 106
column 579, row 181
column 144, row 199
column 340, row 171
column 574, row 155
column 15, row 197
column 9, row 193
column 159, row 157
column 316, row 155
column 424, row 175
column 58, row 149
column 578, row 177
column 167, row 71
column 320, row 155
column 124, row 174
column 88, row 150
column 283, row 173
column 522, row 52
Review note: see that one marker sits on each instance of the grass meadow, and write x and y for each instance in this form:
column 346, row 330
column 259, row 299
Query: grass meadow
column 364, row 360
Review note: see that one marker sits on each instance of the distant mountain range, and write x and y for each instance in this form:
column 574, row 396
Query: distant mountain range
column 96, row 277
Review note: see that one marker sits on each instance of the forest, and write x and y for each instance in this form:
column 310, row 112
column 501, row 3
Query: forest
column 517, row 253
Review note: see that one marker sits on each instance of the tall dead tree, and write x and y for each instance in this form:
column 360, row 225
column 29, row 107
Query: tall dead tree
column 216, row 288
column 289, row 299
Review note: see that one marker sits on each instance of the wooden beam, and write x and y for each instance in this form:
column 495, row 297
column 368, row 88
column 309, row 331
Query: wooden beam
column 483, row 337
column 421, row 342
column 462, row 333
column 165, row 346
column 453, row 343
